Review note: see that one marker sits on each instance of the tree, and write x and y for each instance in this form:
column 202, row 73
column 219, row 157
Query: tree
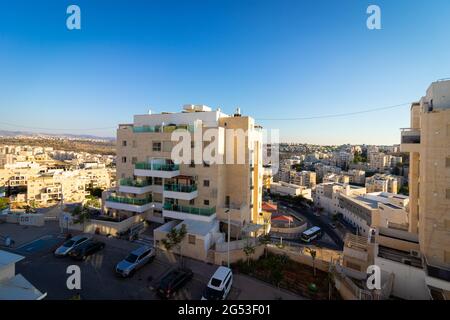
column 82, row 215
column 265, row 240
column 313, row 254
column 174, row 238
column 248, row 250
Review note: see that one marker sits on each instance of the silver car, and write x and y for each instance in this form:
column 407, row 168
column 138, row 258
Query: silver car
column 135, row 260
column 71, row 244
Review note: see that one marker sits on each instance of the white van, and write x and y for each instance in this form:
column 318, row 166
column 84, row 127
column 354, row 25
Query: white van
column 219, row 285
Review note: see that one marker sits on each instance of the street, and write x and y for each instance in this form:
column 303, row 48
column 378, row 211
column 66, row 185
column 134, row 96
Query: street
column 98, row 278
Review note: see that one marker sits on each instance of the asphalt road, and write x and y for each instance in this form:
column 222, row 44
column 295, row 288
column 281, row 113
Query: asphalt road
column 308, row 213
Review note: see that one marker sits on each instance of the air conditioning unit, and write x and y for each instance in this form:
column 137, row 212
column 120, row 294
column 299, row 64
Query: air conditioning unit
column 415, row 253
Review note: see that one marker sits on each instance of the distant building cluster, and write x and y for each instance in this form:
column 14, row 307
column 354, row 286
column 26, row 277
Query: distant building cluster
column 40, row 176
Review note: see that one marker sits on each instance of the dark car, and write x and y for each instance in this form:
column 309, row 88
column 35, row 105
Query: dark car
column 86, row 249
column 173, row 281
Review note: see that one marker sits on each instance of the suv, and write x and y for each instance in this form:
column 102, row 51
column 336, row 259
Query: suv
column 219, row 285
column 86, row 249
column 70, row 244
column 173, row 281
column 135, row 260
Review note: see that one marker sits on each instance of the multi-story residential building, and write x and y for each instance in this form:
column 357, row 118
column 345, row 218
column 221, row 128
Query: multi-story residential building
column 326, row 195
column 289, row 189
column 303, row 178
column 383, row 183
column 339, row 178
column 428, row 143
column 201, row 195
column 50, row 188
column 356, row 176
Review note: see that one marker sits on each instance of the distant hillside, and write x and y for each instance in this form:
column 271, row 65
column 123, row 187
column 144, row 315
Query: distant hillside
column 6, row 133
column 92, row 145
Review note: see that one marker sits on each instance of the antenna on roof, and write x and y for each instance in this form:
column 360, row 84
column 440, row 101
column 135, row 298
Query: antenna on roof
column 237, row 113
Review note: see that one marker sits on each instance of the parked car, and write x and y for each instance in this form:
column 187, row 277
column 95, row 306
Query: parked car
column 135, row 260
column 219, row 285
column 70, row 244
column 86, row 249
column 173, row 281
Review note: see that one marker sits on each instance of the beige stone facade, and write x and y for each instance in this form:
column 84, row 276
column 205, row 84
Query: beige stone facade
column 195, row 192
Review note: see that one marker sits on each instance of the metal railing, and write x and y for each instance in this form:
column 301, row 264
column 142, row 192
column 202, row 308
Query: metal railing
column 169, row 128
column 133, row 201
column 134, row 183
column 180, row 188
column 157, row 166
column 191, row 210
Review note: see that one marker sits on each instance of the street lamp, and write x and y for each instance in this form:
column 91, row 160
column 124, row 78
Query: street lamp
column 229, row 222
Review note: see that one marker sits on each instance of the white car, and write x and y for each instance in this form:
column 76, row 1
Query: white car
column 70, row 244
column 219, row 285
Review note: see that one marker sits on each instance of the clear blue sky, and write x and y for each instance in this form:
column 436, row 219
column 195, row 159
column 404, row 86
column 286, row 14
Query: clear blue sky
column 271, row 58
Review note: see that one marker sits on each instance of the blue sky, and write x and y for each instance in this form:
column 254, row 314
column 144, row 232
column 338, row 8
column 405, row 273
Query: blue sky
column 273, row 59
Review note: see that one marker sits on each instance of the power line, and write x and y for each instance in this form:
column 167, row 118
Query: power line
column 259, row 119
column 337, row 114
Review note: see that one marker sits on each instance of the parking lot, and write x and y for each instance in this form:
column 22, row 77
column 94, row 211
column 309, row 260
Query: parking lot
column 98, row 279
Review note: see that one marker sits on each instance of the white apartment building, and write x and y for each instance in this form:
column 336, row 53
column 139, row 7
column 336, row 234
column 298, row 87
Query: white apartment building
column 383, row 183
column 289, row 189
column 198, row 194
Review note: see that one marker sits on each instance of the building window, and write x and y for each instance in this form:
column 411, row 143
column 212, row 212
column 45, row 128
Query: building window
column 206, row 202
column 133, row 160
column 191, row 239
column 192, row 202
column 192, row 165
column 124, row 143
column 206, row 183
column 156, row 146
column 157, row 181
column 124, row 159
column 227, row 201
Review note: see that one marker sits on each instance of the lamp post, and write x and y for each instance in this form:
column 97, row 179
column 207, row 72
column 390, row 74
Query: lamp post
column 229, row 222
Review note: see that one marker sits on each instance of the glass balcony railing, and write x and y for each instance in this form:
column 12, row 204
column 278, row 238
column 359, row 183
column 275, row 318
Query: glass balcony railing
column 191, row 210
column 157, row 166
column 133, row 201
column 180, row 188
column 410, row 135
column 169, row 128
column 134, row 183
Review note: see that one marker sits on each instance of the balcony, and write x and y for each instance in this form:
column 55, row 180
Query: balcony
column 181, row 192
column 166, row 129
column 135, row 187
column 410, row 140
column 129, row 204
column 179, row 212
column 158, row 170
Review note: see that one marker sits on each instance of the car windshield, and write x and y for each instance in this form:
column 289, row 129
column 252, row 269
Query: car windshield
column 212, row 294
column 131, row 258
column 167, row 280
column 216, row 282
column 68, row 243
